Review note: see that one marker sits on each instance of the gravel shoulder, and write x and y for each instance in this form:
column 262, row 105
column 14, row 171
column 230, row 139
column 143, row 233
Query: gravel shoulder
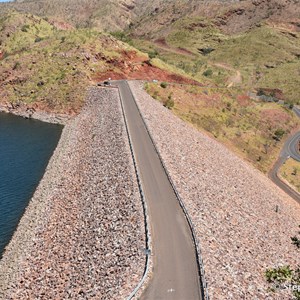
column 232, row 206
column 82, row 234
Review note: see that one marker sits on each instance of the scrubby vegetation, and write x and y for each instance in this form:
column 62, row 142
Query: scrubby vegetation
column 49, row 67
column 108, row 15
column 290, row 171
column 255, row 39
column 266, row 56
column 255, row 129
column 169, row 103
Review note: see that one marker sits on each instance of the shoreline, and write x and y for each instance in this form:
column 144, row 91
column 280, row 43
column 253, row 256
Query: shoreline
column 22, row 239
column 82, row 233
column 36, row 114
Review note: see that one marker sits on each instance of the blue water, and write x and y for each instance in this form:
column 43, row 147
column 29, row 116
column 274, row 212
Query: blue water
column 25, row 149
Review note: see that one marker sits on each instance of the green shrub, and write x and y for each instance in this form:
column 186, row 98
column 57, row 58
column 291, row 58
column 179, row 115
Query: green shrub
column 279, row 275
column 295, row 241
column 228, row 106
column 285, row 275
column 169, row 103
column 278, row 134
column 206, row 51
column 155, row 95
column 16, row 65
column 163, row 85
column 25, row 28
column 38, row 39
column 120, row 35
column 152, row 54
column 208, row 73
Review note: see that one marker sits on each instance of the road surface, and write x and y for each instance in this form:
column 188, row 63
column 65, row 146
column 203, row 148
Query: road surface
column 175, row 269
column 296, row 110
column 290, row 149
column 273, row 175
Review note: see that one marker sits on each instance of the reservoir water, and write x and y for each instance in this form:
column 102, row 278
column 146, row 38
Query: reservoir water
column 25, row 149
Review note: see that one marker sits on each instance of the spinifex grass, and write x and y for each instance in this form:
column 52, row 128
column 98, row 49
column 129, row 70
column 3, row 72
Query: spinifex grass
column 255, row 130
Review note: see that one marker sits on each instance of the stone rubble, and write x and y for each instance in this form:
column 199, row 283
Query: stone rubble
column 82, row 235
column 231, row 204
column 30, row 113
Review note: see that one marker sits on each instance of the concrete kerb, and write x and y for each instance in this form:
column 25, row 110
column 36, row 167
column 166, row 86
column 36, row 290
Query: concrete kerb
column 200, row 262
column 145, row 208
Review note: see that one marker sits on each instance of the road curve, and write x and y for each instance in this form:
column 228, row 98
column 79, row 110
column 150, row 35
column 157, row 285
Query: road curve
column 290, row 149
column 273, row 175
column 296, row 110
column 175, row 269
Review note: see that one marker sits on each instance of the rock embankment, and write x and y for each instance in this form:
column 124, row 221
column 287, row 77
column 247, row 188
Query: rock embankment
column 82, row 234
column 232, row 206
column 22, row 110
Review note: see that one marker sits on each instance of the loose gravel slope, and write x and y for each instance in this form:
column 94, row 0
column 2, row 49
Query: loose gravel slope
column 232, row 206
column 82, row 235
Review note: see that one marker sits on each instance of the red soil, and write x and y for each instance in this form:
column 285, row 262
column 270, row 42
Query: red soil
column 243, row 100
column 61, row 25
column 131, row 66
column 163, row 44
column 275, row 117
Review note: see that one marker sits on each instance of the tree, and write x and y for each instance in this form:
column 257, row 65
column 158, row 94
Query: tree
column 208, row 73
column 278, row 134
column 169, row 103
column 163, row 85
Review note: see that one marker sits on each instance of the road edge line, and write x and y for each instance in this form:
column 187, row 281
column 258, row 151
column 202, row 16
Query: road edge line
column 200, row 263
column 144, row 205
column 286, row 188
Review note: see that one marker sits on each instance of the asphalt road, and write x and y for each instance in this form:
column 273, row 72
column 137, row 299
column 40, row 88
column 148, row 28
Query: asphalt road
column 290, row 149
column 175, row 271
column 273, row 175
column 296, row 111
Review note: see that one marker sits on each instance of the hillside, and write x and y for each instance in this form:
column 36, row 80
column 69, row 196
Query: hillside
column 48, row 62
column 147, row 18
column 48, row 65
column 229, row 16
column 104, row 14
column 225, row 75
column 254, row 39
column 255, row 130
column 241, row 74
column 245, row 54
